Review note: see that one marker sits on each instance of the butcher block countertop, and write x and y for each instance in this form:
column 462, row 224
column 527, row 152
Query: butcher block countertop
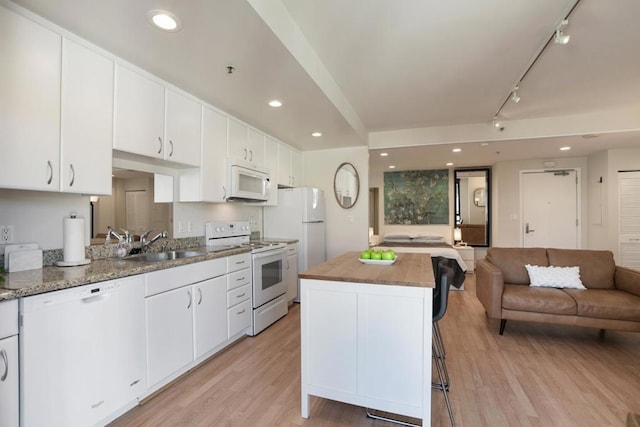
column 410, row 269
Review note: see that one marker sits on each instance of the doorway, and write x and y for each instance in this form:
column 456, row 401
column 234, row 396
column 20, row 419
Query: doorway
column 550, row 208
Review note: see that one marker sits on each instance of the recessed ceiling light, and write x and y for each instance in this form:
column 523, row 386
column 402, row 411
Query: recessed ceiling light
column 317, row 134
column 457, row 150
column 392, row 167
column 164, row 20
column 275, row 103
column 449, row 164
column 565, row 148
column 484, row 144
column 384, row 154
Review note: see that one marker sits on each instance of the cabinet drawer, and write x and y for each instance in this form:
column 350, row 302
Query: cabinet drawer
column 238, row 262
column 8, row 318
column 238, row 295
column 292, row 249
column 239, row 318
column 239, row 278
column 176, row 277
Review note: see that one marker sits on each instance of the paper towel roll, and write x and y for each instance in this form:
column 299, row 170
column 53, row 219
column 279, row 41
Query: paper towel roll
column 73, row 239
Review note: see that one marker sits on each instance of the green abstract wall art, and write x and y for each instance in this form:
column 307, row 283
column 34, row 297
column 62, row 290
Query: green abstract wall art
column 416, row 197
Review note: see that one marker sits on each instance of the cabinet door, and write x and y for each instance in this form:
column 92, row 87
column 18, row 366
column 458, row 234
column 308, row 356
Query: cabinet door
column 296, row 168
column 139, row 114
column 284, row 165
column 214, row 165
column 271, row 163
column 182, row 140
column 237, row 142
column 9, row 381
column 169, row 332
column 210, row 314
column 87, row 120
column 291, row 276
column 255, row 148
column 29, row 104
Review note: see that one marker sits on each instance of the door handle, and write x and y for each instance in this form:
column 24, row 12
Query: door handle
column 50, row 169
column 73, row 175
column 5, row 360
column 528, row 230
column 189, row 295
column 200, row 295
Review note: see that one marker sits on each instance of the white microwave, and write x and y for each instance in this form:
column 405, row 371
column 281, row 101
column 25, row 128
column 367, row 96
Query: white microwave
column 248, row 184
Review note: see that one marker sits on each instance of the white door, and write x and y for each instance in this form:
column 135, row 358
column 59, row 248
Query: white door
column 550, row 209
column 210, row 314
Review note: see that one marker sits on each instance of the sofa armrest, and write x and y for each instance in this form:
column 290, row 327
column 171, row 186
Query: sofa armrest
column 627, row 280
column 489, row 287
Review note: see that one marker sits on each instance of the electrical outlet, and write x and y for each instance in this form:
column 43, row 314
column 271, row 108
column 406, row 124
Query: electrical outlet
column 6, row 234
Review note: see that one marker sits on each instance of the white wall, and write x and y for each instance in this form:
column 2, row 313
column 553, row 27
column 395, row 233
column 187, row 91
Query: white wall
column 37, row 216
column 346, row 229
column 506, row 202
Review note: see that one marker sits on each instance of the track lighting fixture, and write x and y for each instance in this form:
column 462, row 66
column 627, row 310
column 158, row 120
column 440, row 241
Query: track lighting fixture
column 497, row 124
column 514, row 95
column 561, row 37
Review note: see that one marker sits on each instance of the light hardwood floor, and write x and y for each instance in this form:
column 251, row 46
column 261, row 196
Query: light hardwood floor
column 533, row 375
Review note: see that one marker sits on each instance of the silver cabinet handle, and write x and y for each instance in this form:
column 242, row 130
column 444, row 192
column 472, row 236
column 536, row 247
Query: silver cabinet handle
column 245, row 153
column 250, row 155
column 95, row 405
column 200, row 295
column 288, row 264
column 73, row 175
column 241, row 295
column 189, row 294
column 5, row 360
column 242, row 311
column 160, row 146
column 239, row 279
column 50, row 168
column 240, row 262
column 171, row 146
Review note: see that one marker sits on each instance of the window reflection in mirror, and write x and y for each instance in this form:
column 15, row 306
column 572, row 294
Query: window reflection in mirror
column 346, row 185
column 472, row 205
column 130, row 207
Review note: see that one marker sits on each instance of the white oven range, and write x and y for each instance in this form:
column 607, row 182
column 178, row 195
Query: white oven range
column 267, row 265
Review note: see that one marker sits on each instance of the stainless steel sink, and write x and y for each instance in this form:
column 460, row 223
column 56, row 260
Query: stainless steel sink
column 164, row 256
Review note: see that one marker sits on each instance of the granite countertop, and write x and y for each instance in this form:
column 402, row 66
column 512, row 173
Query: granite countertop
column 47, row 279
column 410, row 269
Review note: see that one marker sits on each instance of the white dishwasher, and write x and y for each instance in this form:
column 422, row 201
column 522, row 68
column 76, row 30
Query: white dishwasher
column 82, row 353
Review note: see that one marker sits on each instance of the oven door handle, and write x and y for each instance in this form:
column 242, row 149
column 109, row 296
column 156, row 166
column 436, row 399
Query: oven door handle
column 276, row 253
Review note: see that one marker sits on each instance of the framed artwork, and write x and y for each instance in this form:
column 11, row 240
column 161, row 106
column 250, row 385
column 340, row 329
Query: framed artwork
column 416, row 197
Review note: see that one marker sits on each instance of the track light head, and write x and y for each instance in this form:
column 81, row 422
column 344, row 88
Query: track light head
column 561, row 37
column 514, row 94
column 497, row 124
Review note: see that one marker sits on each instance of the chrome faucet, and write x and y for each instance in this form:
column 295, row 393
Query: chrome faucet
column 112, row 232
column 145, row 241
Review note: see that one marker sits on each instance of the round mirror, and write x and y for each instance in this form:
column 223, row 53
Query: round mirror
column 346, row 185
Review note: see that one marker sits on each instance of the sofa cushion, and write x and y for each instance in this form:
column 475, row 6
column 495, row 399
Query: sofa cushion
column 606, row 304
column 597, row 268
column 538, row 300
column 511, row 262
column 554, row 277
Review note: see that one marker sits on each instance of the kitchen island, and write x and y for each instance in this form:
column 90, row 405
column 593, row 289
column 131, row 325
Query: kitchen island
column 366, row 334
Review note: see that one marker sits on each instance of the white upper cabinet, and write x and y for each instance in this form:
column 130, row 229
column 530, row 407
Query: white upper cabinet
column 139, row 114
column 182, row 139
column 29, row 104
column 289, row 166
column 245, row 144
column 208, row 183
column 271, row 163
column 87, row 120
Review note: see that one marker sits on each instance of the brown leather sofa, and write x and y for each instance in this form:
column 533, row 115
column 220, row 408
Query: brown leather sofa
column 611, row 300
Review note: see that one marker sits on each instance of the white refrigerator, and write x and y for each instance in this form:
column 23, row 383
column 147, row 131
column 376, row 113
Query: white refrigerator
column 299, row 215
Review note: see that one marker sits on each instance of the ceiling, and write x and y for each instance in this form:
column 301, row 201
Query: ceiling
column 360, row 68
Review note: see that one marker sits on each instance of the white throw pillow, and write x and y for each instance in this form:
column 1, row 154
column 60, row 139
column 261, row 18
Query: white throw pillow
column 554, row 277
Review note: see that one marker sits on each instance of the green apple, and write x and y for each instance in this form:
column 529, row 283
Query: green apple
column 365, row 255
column 376, row 255
column 388, row 255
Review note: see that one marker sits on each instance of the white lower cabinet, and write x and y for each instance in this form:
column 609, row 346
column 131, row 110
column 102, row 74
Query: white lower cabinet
column 169, row 332
column 82, row 354
column 9, row 403
column 189, row 316
column 210, row 315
